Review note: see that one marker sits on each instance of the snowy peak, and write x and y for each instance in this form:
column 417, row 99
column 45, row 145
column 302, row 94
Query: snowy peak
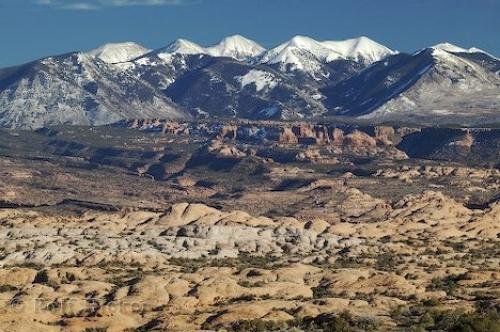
column 302, row 42
column 289, row 51
column 450, row 48
column 308, row 55
column 118, row 52
column 292, row 52
column 457, row 49
column 237, row 47
column 183, row 46
column 360, row 49
column 300, row 53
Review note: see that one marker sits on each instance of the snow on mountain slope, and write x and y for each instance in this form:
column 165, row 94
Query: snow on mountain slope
column 179, row 48
column 258, row 78
column 77, row 89
column 308, row 55
column 227, row 88
column 302, row 77
column 457, row 49
column 451, row 48
column 430, row 85
column 361, row 49
column 299, row 53
column 119, row 52
column 182, row 46
column 237, row 47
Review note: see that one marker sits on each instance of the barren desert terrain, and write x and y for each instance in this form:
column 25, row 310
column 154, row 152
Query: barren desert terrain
column 249, row 226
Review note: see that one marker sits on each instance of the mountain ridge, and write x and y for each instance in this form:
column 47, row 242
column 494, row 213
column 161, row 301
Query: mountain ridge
column 237, row 77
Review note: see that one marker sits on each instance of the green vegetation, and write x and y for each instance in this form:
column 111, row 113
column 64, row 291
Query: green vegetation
column 243, row 261
column 459, row 321
column 449, row 284
column 343, row 322
column 7, row 288
column 428, row 317
column 321, row 291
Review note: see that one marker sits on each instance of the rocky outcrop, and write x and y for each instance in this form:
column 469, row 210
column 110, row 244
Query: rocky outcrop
column 311, row 134
column 359, row 141
column 467, row 141
column 287, row 136
column 226, row 150
column 385, row 135
column 196, row 267
column 144, row 123
column 489, row 176
column 175, row 128
column 313, row 154
column 196, row 230
column 475, row 146
column 228, row 131
column 337, row 137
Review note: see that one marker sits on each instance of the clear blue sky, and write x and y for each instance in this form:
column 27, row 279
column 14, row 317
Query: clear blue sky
column 31, row 29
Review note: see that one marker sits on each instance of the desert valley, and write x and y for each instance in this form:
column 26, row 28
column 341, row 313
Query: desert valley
column 249, row 226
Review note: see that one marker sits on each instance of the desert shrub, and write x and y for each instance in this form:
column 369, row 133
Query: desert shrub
column 343, row 322
column 387, row 262
column 254, row 273
column 346, row 262
column 243, row 298
column 257, row 325
column 250, row 284
column 433, row 302
column 420, row 318
column 321, row 291
column 488, row 307
column 449, row 283
column 458, row 321
column 7, row 288
column 243, row 261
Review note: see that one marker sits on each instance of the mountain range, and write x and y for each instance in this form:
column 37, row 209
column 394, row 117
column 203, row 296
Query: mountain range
column 300, row 79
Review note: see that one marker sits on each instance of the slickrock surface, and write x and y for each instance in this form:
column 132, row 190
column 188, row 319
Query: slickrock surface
column 196, row 267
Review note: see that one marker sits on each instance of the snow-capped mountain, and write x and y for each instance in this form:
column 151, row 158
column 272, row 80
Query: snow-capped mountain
column 77, row 89
column 361, row 49
column 236, row 47
column 448, row 47
column 304, row 53
column 223, row 87
column 118, row 52
column 441, row 82
column 300, row 53
column 238, row 78
column 324, row 61
column 181, row 46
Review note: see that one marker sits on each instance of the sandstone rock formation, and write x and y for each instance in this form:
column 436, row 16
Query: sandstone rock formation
column 287, row 136
column 260, row 232
column 228, row 131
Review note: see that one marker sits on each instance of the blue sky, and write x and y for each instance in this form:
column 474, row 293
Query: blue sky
column 31, row 29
